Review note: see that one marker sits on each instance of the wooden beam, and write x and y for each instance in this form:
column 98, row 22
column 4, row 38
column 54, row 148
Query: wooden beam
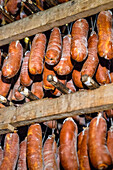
column 6, row 128
column 78, row 103
column 56, row 16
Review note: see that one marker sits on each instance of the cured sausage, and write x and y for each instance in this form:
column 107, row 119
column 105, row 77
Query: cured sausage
column 5, row 85
column 24, row 74
column 110, row 141
column 37, row 54
column 102, row 75
column 34, row 147
column 90, row 65
column 12, row 6
column 1, row 105
column 68, row 145
column 98, row 151
column 11, row 151
column 16, row 94
column 79, row 141
column 12, row 62
column 22, row 165
column 76, row 75
column 65, row 66
column 53, row 52
column 52, row 124
column 49, row 153
column 84, row 158
column 80, row 120
column 104, row 26
column 37, row 89
column 79, row 40
column 47, row 71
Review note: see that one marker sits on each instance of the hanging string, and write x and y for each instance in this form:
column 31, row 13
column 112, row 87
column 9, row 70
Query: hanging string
column 53, row 129
column 92, row 26
column 111, row 121
column 71, row 27
column 95, row 21
column 44, row 135
column 67, row 25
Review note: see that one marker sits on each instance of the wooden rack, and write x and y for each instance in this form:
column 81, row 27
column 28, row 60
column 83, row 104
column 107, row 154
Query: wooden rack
column 83, row 102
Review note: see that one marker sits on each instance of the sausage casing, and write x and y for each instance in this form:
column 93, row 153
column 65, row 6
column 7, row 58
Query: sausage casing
column 37, row 54
column 34, row 147
column 12, row 62
column 98, row 151
column 68, row 145
column 79, row 40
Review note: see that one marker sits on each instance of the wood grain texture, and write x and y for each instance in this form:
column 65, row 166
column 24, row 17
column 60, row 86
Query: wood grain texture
column 56, row 16
column 78, row 103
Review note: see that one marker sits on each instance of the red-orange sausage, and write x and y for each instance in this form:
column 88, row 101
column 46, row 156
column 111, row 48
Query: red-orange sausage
column 110, row 141
column 53, row 52
column 1, row 105
column 12, row 62
column 34, row 147
column 76, row 75
column 5, row 85
column 90, row 65
column 37, row 89
column 11, row 152
column 102, row 75
column 68, row 145
column 104, row 26
column 22, row 165
column 80, row 120
column 79, row 40
column 98, row 151
column 65, row 66
column 50, row 154
column 79, row 141
column 16, row 94
column 24, row 74
column 111, row 76
column 52, row 124
column 84, row 158
column 37, row 54
column 12, row 6
column 47, row 71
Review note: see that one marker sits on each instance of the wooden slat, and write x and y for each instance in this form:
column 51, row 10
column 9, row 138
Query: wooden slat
column 83, row 102
column 56, row 16
column 6, row 128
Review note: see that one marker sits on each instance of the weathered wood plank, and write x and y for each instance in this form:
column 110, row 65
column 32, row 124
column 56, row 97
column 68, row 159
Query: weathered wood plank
column 83, row 102
column 56, row 16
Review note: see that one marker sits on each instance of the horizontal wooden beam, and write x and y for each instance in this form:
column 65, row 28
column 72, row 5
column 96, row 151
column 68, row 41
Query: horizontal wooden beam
column 78, row 103
column 56, row 16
